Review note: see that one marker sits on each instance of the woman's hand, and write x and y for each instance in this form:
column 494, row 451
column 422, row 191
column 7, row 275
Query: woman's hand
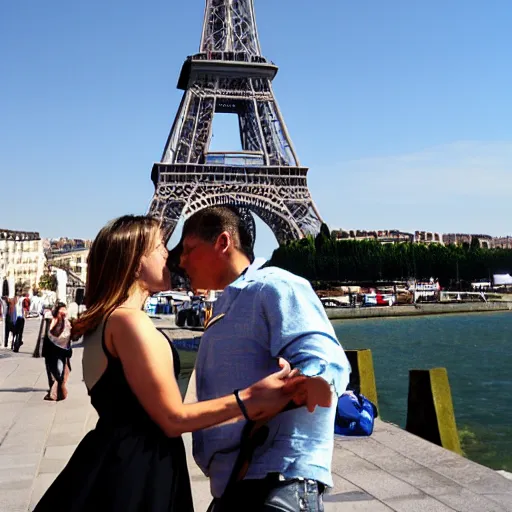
column 312, row 392
column 269, row 396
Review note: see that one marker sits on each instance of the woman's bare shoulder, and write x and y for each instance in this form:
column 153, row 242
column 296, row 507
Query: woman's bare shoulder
column 127, row 316
column 131, row 324
column 132, row 334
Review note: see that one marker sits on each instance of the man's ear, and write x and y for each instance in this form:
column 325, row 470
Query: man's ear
column 223, row 242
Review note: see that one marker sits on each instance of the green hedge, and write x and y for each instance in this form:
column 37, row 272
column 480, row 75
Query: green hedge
column 327, row 259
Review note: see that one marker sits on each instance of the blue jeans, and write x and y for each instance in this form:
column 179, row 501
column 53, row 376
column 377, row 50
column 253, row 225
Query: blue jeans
column 271, row 494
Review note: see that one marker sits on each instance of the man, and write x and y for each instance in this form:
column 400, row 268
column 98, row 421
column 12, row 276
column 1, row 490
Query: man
column 262, row 314
column 19, row 324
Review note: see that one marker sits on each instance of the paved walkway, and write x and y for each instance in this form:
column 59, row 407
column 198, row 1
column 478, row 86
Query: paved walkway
column 391, row 471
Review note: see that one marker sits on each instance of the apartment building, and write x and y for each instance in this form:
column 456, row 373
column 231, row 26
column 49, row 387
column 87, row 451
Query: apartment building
column 21, row 261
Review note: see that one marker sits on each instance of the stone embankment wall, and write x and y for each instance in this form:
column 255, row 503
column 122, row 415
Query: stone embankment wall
column 416, row 309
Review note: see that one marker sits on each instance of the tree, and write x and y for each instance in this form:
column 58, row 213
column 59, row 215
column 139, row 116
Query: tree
column 18, row 287
column 323, row 237
column 325, row 231
column 48, row 281
column 328, row 259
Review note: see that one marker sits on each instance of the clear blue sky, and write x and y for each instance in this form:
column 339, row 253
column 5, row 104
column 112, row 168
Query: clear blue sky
column 402, row 110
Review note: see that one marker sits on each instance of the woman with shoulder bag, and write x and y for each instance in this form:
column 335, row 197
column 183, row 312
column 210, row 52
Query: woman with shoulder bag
column 57, row 353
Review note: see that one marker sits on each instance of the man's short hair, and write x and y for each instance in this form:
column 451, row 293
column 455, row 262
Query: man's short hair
column 209, row 223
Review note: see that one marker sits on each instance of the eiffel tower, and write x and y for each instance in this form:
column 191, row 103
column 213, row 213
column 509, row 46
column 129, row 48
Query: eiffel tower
column 229, row 75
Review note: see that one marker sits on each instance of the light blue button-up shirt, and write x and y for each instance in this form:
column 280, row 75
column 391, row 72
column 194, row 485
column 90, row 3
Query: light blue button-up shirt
column 269, row 313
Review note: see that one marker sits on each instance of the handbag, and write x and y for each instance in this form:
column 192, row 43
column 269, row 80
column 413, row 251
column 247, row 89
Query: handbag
column 355, row 415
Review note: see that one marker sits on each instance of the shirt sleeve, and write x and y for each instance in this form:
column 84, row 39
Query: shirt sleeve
column 300, row 332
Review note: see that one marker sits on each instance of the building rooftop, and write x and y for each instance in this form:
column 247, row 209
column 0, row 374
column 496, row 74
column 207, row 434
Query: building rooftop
column 11, row 234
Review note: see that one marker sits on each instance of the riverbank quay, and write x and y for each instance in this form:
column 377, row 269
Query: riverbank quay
column 416, row 310
column 389, row 471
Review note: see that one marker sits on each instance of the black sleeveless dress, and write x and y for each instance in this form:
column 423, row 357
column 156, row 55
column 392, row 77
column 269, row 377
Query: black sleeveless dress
column 126, row 464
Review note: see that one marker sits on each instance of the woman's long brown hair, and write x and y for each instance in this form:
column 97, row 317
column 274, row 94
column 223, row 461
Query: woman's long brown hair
column 112, row 265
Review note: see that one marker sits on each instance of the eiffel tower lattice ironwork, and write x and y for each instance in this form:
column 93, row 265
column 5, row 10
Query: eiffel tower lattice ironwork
column 229, row 75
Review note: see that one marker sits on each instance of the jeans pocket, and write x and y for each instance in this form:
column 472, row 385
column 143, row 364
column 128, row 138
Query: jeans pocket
column 310, row 500
column 296, row 496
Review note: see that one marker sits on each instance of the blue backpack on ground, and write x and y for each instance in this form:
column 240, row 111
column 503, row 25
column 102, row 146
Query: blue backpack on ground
column 355, row 415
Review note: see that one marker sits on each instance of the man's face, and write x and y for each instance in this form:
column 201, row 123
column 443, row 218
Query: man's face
column 201, row 261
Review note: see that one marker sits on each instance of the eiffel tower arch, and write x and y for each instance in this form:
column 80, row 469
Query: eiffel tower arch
column 229, row 75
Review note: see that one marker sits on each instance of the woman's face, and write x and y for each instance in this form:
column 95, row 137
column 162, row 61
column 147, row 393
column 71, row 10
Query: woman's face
column 63, row 313
column 153, row 272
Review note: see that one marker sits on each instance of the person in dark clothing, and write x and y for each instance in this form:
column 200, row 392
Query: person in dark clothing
column 10, row 323
column 17, row 332
column 57, row 353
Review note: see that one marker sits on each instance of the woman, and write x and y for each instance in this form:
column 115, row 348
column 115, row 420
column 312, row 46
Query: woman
column 57, row 353
column 134, row 460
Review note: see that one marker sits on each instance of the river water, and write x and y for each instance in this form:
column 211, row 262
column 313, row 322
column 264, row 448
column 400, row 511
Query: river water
column 476, row 349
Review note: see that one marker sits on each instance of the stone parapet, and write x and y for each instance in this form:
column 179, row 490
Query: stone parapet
column 416, row 310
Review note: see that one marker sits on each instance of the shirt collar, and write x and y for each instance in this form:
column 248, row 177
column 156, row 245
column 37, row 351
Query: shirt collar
column 255, row 265
column 250, row 270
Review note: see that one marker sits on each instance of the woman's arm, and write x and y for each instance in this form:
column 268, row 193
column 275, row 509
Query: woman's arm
column 148, row 366
column 53, row 324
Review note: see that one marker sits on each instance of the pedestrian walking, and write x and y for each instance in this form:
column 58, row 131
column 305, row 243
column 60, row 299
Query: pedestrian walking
column 26, row 305
column 12, row 326
column 18, row 324
column 57, row 353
